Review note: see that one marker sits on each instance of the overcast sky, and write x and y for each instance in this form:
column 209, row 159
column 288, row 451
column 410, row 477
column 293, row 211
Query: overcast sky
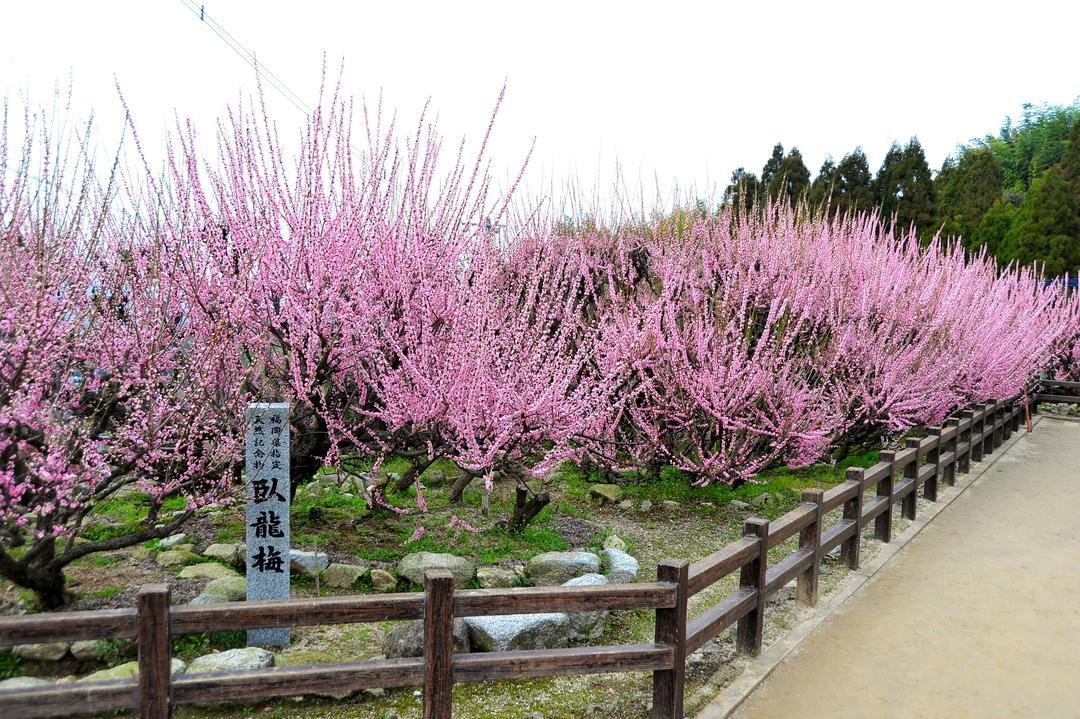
column 676, row 93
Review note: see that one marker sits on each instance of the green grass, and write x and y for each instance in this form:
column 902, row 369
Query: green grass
column 107, row 592
column 187, row 646
column 9, row 665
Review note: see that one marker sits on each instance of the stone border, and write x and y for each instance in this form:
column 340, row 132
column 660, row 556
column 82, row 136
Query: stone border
column 707, row 703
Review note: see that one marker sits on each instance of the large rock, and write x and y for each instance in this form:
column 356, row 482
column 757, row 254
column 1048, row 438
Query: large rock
column 760, row 500
column 24, row 683
column 407, row 640
column 87, row 650
column 587, row 625
column 383, row 581
column 342, row 576
column 495, row 577
column 129, row 670
column 552, row 568
column 227, row 553
column 232, row 660
column 46, row 652
column 224, row 589
column 621, row 567
column 519, row 631
column 308, row 563
column 614, row 542
column 172, row 541
column 175, row 557
column 413, row 566
column 208, row 570
column 606, row 492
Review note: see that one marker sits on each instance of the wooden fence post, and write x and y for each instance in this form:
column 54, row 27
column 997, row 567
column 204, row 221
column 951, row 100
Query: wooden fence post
column 849, row 550
column 992, row 413
column 965, row 437
column 932, row 456
column 155, row 651
column 438, row 644
column 1007, row 414
column 883, row 522
column 949, row 474
column 669, row 685
column 810, row 538
column 978, row 428
column 752, row 576
column 909, row 504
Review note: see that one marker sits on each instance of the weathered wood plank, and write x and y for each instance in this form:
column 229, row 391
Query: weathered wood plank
column 836, row 535
column 810, row 541
column 706, row 572
column 790, row 524
column 787, row 569
column 492, row 666
column 718, row 618
column 289, row 681
column 70, row 699
column 527, row 600
column 68, row 626
column 835, row 496
column 297, row 612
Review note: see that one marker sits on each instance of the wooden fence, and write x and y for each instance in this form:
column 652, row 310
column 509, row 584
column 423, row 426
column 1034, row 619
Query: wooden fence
column 897, row 478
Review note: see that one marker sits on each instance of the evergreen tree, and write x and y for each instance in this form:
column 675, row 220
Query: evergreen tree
column 854, row 183
column 992, row 230
column 791, row 179
column 823, row 188
column 744, row 190
column 966, row 189
column 1027, row 149
column 1047, row 227
column 904, row 189
column 772, row 167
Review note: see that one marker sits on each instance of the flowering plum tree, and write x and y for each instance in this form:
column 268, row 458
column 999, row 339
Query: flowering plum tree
column 110, row 380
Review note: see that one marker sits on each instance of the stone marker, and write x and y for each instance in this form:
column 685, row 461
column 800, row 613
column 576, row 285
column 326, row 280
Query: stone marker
column 267, row 487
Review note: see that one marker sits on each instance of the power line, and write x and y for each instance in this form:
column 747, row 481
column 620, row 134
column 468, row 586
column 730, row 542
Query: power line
column 247, row 56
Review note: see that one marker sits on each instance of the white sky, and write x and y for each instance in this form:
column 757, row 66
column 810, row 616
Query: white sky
column 677, row 93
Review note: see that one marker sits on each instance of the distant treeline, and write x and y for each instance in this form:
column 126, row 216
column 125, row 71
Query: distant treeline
column 1016, row 193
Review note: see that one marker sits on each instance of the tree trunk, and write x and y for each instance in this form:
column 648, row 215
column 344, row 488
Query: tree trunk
column 526, row 507
column 459, row 487
column 410, row 475
column 46, row 582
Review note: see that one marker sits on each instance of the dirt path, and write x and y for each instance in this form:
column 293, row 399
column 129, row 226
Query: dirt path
column 978, row 617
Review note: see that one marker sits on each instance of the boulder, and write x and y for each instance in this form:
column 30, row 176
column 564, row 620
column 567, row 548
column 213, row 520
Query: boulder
column 626, row 505
column 308, row 563
column 621, row 567
column 519, row 631
column 407, row 640
column 226, row 553
column 175, row 557
column 208, row 570
column 552, row 568
column 129, row 670
column 587, row 625
column 342, row 576
column 47, row 652
column 646, row 506
column 413, row 566
column 760, row 500
column 188, row 547
column 606, row 492
column 232, row 660
column 87, row 650
column 383, row 581
column 171, row 541
column 670, row 504
column 494, row 577
column 738, row 506
column 223, row 589
column 23, row 683
column 614, row 542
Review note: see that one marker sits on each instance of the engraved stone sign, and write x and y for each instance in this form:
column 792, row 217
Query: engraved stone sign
column 267, row 487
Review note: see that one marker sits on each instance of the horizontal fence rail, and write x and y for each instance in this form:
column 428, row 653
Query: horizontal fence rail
column 865, row 496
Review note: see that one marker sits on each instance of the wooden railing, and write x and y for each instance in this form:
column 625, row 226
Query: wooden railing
column 1050, row 391
column 896, row 478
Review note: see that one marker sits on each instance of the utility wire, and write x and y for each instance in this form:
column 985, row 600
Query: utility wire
column 247, row 56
